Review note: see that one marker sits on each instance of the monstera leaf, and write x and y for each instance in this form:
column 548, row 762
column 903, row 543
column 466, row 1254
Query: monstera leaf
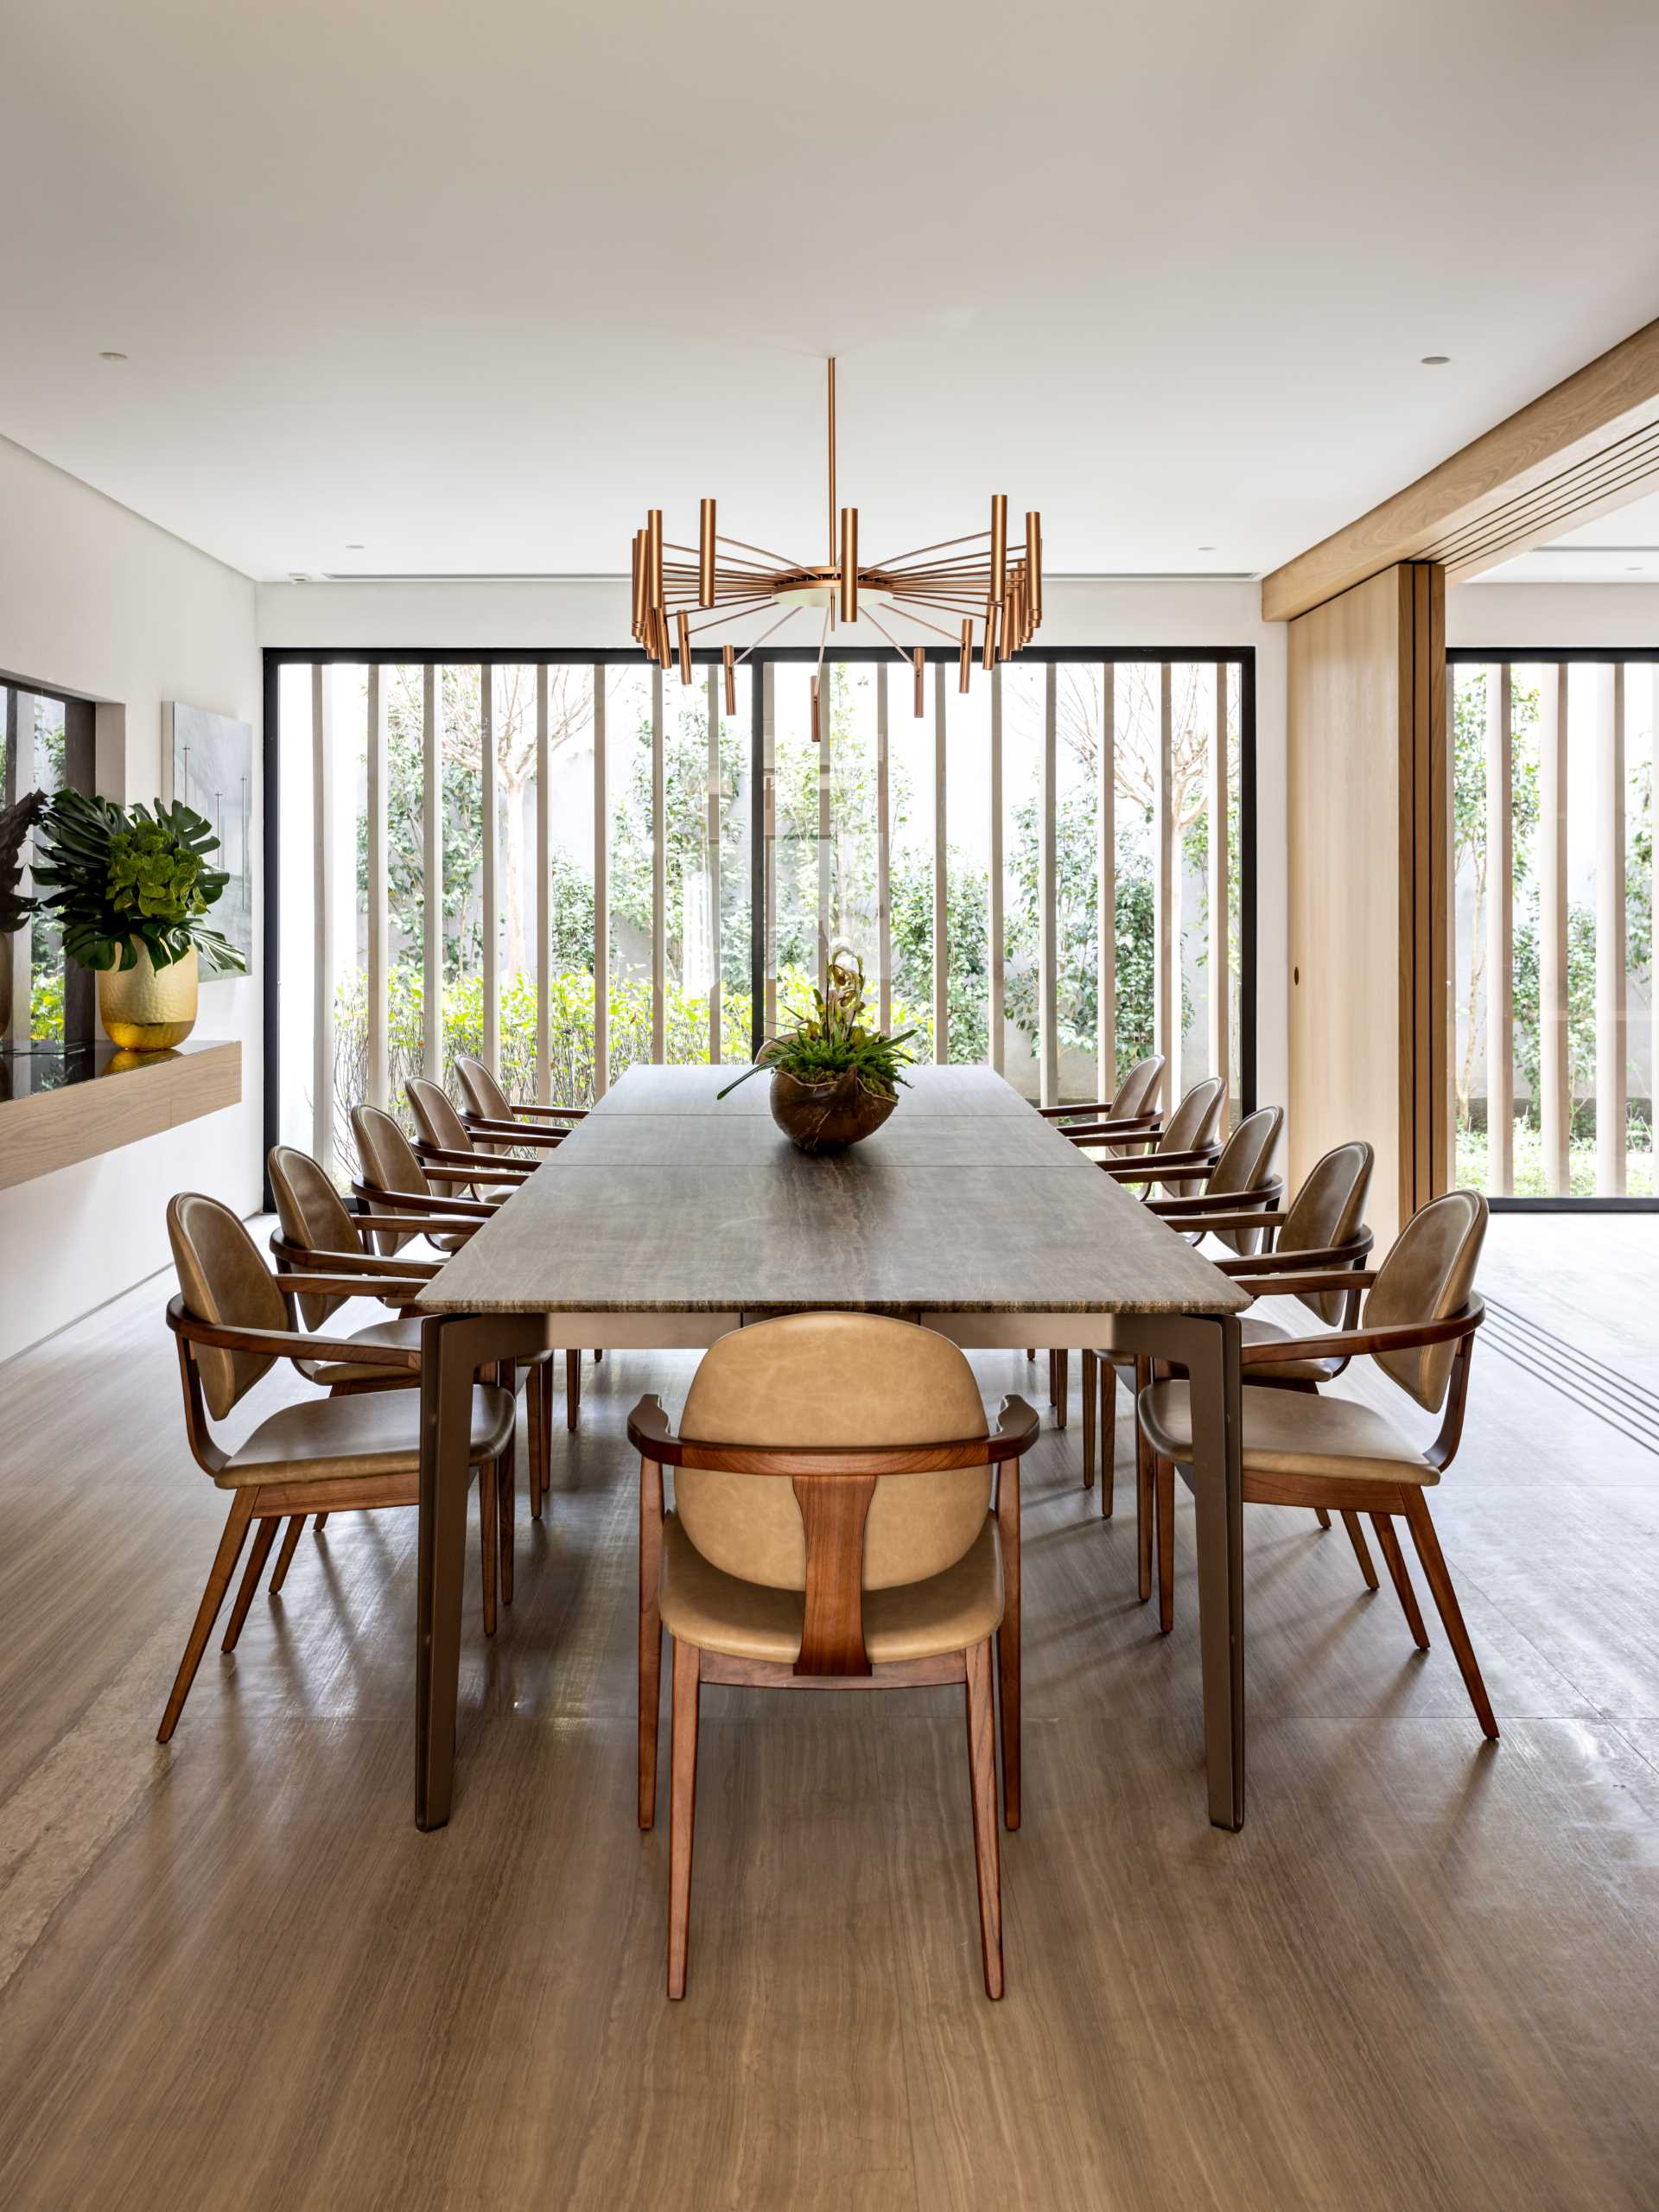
column 15, row 823
column 120, row 877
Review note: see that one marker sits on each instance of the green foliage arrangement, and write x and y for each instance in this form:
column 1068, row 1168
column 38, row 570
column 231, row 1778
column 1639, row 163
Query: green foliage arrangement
column 830, row 1040
column 15, row 823
column 123, row 876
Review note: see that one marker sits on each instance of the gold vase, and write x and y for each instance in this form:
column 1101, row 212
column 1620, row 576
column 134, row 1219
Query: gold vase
column 147, row 1008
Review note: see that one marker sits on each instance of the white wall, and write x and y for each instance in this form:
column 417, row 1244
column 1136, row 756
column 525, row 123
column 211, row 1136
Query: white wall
column 459, row 616
column 97, row 602
column 1552, row 614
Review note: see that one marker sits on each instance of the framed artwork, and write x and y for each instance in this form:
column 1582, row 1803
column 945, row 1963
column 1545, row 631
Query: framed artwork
column 208, row 763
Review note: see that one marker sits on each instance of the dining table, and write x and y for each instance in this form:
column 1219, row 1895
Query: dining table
column 672, row 1214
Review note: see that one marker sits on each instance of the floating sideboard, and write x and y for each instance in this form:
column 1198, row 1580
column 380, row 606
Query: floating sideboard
column 59, row 1106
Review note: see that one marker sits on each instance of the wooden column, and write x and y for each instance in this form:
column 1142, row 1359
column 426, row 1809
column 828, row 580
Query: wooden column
column 1500, row 937
column 1610, row 988
column 1555, row 1081
column 1369, row 824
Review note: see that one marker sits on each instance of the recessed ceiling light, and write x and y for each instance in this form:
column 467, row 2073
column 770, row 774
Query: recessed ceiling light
column 353, row 549
column 1435, row 360
column 1206, row 549
column 112, row 357
column 1634, row 568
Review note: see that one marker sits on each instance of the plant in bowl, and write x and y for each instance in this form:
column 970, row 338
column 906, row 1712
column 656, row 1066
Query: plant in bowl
column 133, row 886
column 835, row 1078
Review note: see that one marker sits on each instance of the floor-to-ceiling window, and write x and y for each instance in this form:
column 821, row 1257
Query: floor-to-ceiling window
column 566, row 865
column 1554, row 1004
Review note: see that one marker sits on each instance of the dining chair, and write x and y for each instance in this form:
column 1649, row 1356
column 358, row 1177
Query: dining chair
column 1136, row 1099
column 1324, row 1229
column 317, row 1231
column 1189, row 1140
column 1238, row 1191
column 231, row 1322
column 865, row 1544
column 443, row 1141
column 1300, row 1448
column 392, row 1179
column 493, row 1118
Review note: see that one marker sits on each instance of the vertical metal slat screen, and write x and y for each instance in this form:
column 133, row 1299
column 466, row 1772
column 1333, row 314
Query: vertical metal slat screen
column 1042, row 961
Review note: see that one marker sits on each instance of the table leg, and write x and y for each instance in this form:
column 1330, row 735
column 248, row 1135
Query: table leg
column 1218, row 1496
column 453, row 1348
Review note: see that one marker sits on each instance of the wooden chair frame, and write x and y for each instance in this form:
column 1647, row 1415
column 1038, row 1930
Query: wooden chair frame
column 266, row 1504
column 1380, row 1499
column 538, row 1390
column 834, row 1487
column 1232, row 1211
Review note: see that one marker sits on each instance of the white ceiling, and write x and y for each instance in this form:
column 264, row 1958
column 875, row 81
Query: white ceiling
column 472, row 284
column 1622, row 548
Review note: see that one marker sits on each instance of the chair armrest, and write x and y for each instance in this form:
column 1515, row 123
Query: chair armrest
column 552, row 1113
column 289, row 1344
column 515, row 1133
column 468, row 1164
column 1017, row 1429
column 1139, row 1128
column 1323, row 1262
column 371, row 1264
column 648, row 1426
column 1345, row 1344
column 421, row 1202
column 1153, row 1167
column 402, row 1291
column 1218, row 1209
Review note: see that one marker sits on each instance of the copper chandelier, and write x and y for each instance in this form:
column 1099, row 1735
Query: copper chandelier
column 977, row 578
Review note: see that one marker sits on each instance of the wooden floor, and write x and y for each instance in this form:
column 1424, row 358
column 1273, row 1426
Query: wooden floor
column 1426, row 1974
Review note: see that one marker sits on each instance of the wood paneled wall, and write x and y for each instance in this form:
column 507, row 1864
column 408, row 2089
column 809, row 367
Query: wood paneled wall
column 1370, row 885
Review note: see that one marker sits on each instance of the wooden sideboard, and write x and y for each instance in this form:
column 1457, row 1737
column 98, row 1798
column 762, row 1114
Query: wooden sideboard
column 59, row 1107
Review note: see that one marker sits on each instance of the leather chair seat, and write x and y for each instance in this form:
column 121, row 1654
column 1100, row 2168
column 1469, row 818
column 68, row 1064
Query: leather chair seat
column 325, row 1440
column 405, row 1334
column 1283, row 1371
column 1292, row 1432
column 703, row 1605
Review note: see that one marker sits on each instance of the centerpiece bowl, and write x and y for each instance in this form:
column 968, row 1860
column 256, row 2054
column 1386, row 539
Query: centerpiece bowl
column 834, row 1080
column 827, row 1116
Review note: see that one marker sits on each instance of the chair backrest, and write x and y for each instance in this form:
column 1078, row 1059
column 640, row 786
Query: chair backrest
column 1194, row 1125
column 1245, row 1166
column 224, row 1280
column 435, row 1116
column 314, row 1216
column 832, row 1379
column 1427, row 1277
column 483, row 1094
column 1329, row 1209
column 1138, row 1088
column 389, row 1164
